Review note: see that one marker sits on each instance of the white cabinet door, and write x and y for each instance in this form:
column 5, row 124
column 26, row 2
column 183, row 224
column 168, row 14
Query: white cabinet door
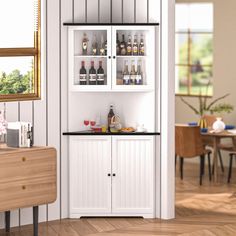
column 90, row 185
column 133, row 175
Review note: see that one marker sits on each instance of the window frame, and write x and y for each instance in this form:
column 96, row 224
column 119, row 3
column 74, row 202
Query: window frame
column 189, row 64
column 27, row 51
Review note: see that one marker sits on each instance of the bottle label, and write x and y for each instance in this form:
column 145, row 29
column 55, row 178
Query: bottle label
column 85, row 45
column 138, row 79
column 82, row 77
column 132, row 79
column 102, row 51
column 135, row 49
column 141, row 50
column 100, row 77
column 92, row 77
column 126, row 79
column 94, row 51
column 122, row 51
column 129, row 50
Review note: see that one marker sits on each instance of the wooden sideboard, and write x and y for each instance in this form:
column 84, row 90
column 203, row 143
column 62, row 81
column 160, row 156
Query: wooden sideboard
column 27, row 179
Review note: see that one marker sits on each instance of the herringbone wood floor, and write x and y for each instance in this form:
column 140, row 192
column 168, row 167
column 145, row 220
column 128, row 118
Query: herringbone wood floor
column 200, row 211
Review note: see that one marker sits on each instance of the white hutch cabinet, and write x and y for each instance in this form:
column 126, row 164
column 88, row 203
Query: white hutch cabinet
column 113, row 174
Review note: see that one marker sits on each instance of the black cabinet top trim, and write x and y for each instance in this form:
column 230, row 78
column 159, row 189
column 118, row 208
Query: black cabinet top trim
column 118, row 24
column 111, row 134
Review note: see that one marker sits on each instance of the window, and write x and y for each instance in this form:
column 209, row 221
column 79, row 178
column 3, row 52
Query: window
column 194, row 49
column 19, row 50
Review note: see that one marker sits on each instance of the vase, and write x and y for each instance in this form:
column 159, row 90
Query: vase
column 218, row 125
column 202, row 122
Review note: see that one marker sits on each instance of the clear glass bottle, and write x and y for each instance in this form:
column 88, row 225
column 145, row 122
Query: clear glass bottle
column 139, row 75
column 132, row 73
column 94, row 45
column 102, row 48
column 126, row 75
column 85, row 44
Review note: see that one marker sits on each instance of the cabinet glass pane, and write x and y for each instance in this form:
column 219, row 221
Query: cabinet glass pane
column 90, row 57
column 133, row 47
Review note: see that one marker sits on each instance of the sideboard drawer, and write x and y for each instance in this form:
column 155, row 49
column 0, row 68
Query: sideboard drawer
column 27, row 179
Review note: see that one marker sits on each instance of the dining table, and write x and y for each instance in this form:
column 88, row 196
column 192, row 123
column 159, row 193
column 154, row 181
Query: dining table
column 215, row 138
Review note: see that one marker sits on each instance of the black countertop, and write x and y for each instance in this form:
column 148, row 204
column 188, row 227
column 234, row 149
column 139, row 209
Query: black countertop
column 107, row 133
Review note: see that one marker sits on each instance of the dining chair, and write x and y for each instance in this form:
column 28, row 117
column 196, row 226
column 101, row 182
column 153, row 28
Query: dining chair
column 188, row 144
column 210, row 119
column 231, row 155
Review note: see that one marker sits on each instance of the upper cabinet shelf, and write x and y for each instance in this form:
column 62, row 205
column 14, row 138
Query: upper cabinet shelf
column 107, row 58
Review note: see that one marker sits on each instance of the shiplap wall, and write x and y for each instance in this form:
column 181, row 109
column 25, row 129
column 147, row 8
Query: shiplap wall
column 49, row 115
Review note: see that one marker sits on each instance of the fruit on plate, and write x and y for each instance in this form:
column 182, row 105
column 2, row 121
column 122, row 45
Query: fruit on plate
column 128, row 129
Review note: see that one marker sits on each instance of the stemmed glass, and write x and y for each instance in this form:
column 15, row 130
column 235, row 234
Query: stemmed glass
column 86, row 124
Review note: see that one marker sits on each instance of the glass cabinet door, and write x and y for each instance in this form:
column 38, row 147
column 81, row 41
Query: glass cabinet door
column 90, row 64
column 133, row 58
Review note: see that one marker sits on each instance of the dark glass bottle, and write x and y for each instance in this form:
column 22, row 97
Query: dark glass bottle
column 109, row 117
column 82, row 74
column 100, row 75
column 141, row 46
column 129, row 46
column 117, row 44
column 92, row 74
column 135, row 46
column 123, row 46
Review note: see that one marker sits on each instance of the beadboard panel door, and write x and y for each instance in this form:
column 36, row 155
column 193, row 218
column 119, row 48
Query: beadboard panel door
column 133, row 175
column 90, row 175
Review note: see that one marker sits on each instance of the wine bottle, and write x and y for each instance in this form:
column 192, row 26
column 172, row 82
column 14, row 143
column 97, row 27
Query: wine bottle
column 126, row 75
column 102, row 48
column 92, row 74
column 82, row 74
column 123, row 46
column 129, row 46
column 117, row 44
column 85, row 44
column 109, row 117
column 132, row 73
column 100, row 74
column 139, row 76
column 135, row 46
column 94, row 45
column 141, row 46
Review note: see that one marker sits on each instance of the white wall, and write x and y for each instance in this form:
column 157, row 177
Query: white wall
column 49, row 115
column 224, row 75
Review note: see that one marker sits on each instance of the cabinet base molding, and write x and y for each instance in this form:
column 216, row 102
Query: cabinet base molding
column 145, row 216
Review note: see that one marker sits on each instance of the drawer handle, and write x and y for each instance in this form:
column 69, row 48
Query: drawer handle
column 23, row 159
column 23, row 187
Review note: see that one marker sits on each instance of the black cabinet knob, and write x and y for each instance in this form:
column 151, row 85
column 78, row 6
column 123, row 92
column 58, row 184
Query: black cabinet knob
column 109, row 175
column 109, row 57
column 114, row 175
column 114, row 57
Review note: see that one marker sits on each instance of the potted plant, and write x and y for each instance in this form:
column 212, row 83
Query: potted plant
column 212, row 108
